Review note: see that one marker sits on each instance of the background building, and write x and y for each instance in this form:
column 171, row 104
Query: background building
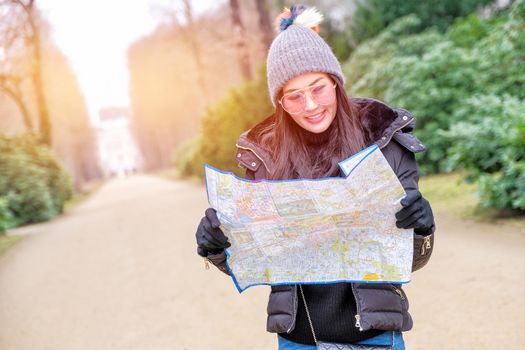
column 119, row 155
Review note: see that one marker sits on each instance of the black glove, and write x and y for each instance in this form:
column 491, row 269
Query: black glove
column 416, row 213
column 210, row 238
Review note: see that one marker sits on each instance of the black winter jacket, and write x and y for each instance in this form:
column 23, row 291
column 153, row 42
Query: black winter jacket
column 382, row 306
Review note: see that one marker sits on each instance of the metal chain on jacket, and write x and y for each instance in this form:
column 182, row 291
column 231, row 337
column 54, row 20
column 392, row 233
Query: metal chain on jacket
column 308, row 313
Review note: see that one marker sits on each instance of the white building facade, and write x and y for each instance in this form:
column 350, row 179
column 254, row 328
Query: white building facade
column 118, row 152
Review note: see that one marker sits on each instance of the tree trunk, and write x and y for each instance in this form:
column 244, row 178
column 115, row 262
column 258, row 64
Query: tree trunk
column 195, row 48
column 264, row 23
column 241, row 42
column 17, row 98
column 43, row 111
column 44, row 121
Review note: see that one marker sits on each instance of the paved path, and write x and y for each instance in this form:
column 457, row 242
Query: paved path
column 120, row 272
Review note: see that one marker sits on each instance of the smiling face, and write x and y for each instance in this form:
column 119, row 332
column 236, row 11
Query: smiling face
column 315, row 93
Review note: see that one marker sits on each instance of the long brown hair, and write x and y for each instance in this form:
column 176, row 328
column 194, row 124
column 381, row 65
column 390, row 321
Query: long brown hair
column 292, row 158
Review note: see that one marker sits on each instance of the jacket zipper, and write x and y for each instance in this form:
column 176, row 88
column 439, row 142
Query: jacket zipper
column 255, row 153
column 358, row 314
column 398, row 292
column 426, row 245
column 294, row 314
column 392, row 134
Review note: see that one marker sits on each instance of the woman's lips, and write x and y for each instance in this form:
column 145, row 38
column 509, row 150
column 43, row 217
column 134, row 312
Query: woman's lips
column 319, row 118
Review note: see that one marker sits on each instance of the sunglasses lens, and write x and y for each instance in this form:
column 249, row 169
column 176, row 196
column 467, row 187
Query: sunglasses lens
column 293, row 103
column 323, row 94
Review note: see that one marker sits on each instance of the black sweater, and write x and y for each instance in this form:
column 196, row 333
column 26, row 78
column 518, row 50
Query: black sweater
column 332, row 309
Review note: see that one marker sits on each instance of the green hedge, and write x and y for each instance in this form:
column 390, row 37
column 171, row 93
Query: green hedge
column 490, row 145
column 188, row 158
column 240, row 109
column 432, row 74
column 461, row 86
column 372, row 16
column 7, row 219
column 33, row 184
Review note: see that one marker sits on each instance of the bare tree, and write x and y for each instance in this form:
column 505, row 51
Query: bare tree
column 191, row 37
column 22, row 60
column 13, row 72
column 264, row 23
column 241, row 42
column 10, row 86
column 179, row 14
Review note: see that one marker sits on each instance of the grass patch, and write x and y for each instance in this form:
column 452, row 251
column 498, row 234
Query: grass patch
column 450, row 195
column 7, row 242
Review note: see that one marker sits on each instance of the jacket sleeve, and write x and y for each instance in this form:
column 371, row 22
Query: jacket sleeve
column 403, row 162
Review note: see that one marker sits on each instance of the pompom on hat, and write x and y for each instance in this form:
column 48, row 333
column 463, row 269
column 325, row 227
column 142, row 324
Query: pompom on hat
column 298, row 49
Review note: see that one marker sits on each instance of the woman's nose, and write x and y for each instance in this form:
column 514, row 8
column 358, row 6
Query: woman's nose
column 310, row 104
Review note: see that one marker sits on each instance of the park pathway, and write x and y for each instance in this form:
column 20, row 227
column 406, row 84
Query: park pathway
column 120, row 272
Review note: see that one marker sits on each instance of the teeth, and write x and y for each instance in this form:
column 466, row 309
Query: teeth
column 315, row 116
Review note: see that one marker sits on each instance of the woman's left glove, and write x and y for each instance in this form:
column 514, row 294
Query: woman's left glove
column 210, row 238
column 416, row 213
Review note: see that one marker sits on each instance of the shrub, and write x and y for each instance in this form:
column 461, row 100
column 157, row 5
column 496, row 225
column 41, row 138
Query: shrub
column 465, row 88
column 188, row 159
column 6, row 217
column 368, row 70
column 33, row 184
column 433, row 87
column 372, row 16
column 490, row 146
column 432, row 74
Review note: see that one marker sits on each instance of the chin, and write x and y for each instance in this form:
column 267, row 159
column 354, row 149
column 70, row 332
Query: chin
column 313, row 126
column 317, row 130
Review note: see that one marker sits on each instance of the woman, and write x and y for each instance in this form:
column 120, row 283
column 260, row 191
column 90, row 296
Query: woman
column 315, row 126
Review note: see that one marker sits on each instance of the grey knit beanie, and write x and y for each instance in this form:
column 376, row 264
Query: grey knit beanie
column 296, row 50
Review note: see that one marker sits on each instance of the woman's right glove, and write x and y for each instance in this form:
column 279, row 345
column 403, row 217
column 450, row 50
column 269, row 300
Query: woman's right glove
column 416, row 213
column 210, row 238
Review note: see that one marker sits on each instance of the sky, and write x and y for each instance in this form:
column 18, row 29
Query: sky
column 95, row 35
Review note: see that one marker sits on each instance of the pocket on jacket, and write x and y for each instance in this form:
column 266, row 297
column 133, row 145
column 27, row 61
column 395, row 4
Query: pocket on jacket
column 380, row 297
column 401, row 294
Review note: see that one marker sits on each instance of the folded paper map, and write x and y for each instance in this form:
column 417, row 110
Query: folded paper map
column 314, row 231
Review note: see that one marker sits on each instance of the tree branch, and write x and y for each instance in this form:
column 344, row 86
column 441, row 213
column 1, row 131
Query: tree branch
column 17, row 99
